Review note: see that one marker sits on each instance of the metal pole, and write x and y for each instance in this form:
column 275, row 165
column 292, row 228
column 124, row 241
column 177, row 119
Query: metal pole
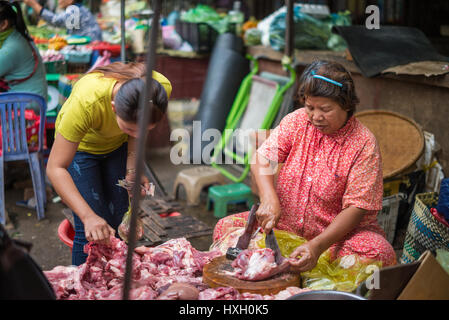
column 289, row 29
column 146, row 105
column 122, row 31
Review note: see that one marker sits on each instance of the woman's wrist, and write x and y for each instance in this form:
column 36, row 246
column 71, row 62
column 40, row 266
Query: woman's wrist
column 86, row 215
column 130, row 171
column 269, row 197
column 131, row 154
column 318, row 245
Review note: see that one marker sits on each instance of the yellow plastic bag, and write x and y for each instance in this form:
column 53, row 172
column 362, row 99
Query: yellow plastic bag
column 123, row 229
column 342, row 274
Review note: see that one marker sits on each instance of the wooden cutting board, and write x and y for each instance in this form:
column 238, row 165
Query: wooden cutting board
column 215, row 276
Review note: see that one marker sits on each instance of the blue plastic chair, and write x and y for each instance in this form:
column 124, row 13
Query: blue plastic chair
column 15, row 147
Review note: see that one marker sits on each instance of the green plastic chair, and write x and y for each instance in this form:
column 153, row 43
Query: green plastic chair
column 237, row 112
column 223, row 195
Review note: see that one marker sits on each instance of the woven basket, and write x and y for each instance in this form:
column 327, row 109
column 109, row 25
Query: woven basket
column 424, row 231
column 401, row 140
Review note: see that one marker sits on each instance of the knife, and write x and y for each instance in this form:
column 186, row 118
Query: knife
column 245, row 238
column 271, row 242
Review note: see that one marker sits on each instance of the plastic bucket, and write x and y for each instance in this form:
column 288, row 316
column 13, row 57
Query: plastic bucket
column 66, row 233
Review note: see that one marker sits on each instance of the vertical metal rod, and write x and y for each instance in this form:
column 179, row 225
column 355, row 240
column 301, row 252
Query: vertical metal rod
column 122, row 31
column 145, row 105
column 289, row 29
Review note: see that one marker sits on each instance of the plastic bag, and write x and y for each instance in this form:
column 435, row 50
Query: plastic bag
column 342, row 274
column 443, row 199
column 205, row 14
column 309, row 32
column 252, row 37
column 123, row 229
column 102, row 60
column 443, row 258
column 335, row 41
column 172, row 40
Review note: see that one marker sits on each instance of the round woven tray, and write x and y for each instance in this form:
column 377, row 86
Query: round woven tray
column 401, row 140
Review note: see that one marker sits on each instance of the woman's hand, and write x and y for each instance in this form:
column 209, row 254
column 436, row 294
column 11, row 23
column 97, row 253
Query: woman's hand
column 97, row 229
column 304, row 257
column 268, row 213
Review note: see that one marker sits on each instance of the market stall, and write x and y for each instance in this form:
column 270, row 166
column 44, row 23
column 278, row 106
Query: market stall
column 154, row 258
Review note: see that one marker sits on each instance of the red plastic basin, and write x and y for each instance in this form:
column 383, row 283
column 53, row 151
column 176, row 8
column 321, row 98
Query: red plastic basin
column 66, row 233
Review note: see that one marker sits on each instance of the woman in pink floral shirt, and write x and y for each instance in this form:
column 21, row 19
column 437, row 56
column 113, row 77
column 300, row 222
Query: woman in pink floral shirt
column 330, row 186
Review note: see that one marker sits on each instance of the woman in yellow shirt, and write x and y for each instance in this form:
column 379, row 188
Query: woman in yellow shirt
column 94, row 147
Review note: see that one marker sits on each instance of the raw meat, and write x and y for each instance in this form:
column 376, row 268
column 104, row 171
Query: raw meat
column 288, row 292
column 174, row 264
column 180, row 291
column 101, row 276
column 222, row 293
column 256, row 265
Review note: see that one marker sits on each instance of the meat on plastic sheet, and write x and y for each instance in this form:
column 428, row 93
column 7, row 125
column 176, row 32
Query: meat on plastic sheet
column 155, row 270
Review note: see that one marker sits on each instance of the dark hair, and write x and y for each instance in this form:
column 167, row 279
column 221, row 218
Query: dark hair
column 128, row 96
column 13, row 14
column 345, row 95
column 132, row 75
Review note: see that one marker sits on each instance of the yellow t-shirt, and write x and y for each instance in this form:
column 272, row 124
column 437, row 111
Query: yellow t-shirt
column 87, row 116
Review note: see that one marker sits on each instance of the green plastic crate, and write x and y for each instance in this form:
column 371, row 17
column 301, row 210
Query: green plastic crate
column 54, row 67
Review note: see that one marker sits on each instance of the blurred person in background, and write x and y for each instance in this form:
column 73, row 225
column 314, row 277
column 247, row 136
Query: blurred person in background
column 21, row 67
column 74, row 17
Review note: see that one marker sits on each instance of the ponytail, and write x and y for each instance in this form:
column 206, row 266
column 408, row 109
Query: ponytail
column 12, row 12
column 20, row 22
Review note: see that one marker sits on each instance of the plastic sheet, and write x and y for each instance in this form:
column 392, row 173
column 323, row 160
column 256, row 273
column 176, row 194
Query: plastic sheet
column 342, row 274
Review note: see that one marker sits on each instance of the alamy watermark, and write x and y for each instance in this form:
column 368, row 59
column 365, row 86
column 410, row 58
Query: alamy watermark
column 197, row 145
column 373, row 20
column 73, row 17
column 373, row 281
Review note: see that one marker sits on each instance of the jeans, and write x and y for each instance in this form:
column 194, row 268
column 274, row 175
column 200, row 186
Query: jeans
column 96, row 177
